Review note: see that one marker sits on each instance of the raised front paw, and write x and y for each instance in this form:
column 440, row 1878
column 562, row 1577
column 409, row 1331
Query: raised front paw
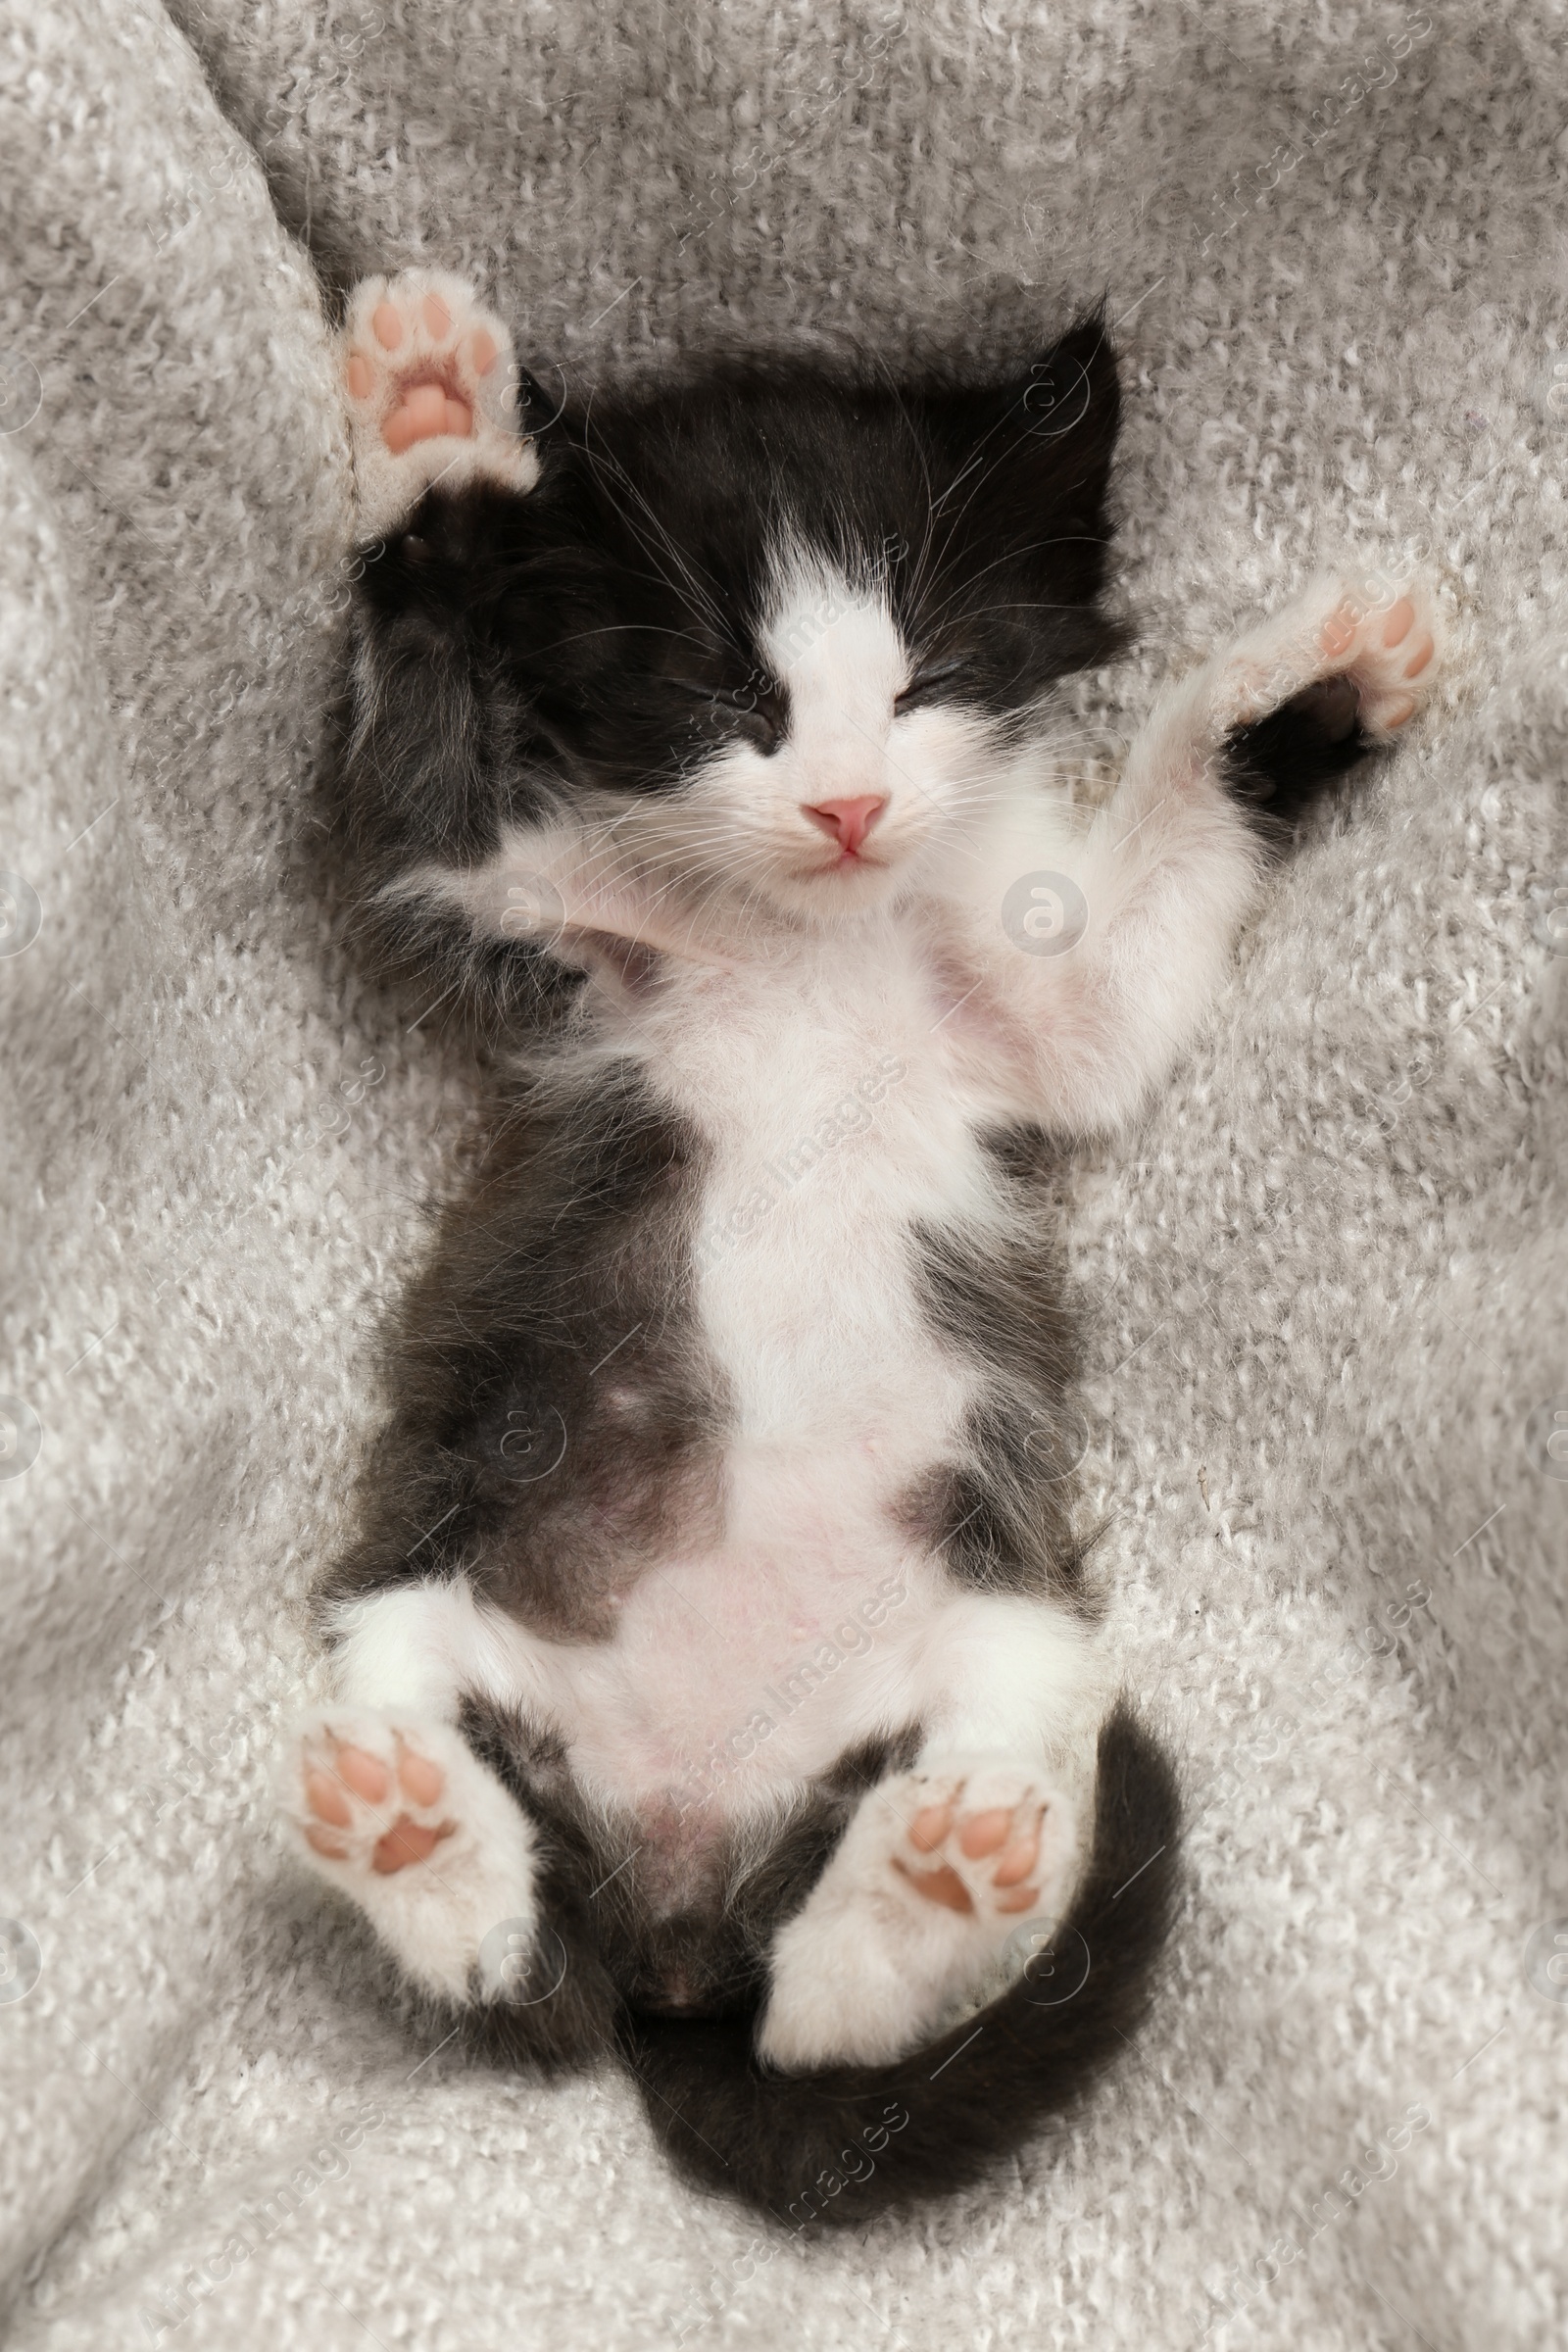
column 431, row 388
column 1356, row 654
column 401, row 1816
column 1387, row 650
column 982, row 1839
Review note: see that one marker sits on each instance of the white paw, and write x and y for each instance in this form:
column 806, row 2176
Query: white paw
column 431, row 389
column 936, row 1872
column 1390, row 649
column 984, row 1840
column 1385, row 639
column 402, row 1816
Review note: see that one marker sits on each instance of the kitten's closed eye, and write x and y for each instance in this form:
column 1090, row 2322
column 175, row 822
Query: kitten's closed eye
column 753, row 711
column 932, row 682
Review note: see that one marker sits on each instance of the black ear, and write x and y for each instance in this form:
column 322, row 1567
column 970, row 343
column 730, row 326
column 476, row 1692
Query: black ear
column 1026, row 497
column 1033, row 452
column 1073, row 396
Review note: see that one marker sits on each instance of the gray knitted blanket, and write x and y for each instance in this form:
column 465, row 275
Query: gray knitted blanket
column 1329, row 1421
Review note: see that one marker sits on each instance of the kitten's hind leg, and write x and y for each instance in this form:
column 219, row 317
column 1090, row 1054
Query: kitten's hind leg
column 432, row 395
column 936, row 1872
column 385, row 1799
column 400, row 1815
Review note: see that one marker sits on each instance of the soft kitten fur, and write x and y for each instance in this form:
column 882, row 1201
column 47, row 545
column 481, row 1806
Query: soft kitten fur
column 717, row 1678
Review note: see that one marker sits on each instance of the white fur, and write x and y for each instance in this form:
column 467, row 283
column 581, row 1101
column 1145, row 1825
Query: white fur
column 437, row 1914
column 870, row 1968
column 646, row 1713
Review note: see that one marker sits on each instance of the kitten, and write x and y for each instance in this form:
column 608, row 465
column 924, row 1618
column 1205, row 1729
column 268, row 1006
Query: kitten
column 719, row 1684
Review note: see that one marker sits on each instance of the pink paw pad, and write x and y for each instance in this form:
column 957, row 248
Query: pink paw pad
column 1388, row 650
column 345, row 1783
column 424, row 410
column 419, row 358
column 1004, row 1839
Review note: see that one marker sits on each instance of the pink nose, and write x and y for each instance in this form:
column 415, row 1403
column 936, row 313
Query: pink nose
column 849, row 821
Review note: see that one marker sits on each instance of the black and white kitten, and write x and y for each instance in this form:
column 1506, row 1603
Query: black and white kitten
column 719, row 1684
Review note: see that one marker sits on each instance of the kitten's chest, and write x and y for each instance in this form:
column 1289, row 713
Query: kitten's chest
column 836, row 1145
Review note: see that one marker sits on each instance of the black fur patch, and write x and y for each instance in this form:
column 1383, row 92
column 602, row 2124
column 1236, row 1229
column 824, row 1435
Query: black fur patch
column 1001, row 1518
column 555, row 1421
column 1281, row 766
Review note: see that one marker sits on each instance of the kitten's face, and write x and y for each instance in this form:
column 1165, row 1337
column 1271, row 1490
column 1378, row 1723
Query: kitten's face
column 819, row 620
column 849, row 762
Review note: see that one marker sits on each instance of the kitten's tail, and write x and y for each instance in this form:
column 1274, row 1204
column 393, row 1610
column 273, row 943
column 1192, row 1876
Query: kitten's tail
column 843, row 2143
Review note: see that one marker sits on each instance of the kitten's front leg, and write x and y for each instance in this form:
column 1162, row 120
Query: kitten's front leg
column 432, row 767
column 938, row 1869
column 432, row 395
column 1101, row 953
column 574, row 892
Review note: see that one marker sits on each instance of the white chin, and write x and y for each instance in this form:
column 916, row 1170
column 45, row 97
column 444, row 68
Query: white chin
column 836, row 891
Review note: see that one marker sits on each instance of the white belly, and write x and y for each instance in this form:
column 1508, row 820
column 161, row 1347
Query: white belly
column 750, row 1665
column 833, row 1131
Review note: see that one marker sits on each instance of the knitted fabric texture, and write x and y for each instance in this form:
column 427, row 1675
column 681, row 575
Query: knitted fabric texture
column 1324, row 1284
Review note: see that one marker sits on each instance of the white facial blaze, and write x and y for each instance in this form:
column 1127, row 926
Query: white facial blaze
column 840, row 656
